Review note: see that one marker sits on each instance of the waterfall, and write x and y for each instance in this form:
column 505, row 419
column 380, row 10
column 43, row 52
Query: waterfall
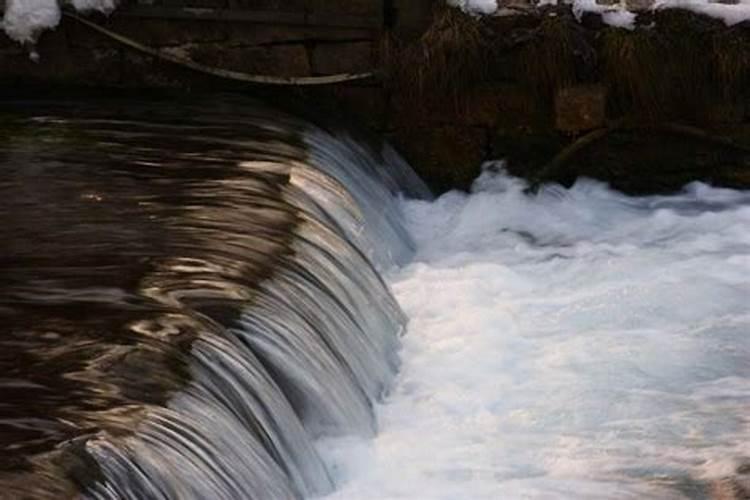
column 268, row 325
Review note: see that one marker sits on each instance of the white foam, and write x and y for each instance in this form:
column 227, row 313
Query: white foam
column 576, row 344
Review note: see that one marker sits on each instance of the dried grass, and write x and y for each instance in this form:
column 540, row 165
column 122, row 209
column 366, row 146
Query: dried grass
column 550, row 60
column 451, row 56
column 633, row 67
column 731, row 61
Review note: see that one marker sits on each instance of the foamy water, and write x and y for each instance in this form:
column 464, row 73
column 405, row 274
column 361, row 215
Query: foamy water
column 576, row 344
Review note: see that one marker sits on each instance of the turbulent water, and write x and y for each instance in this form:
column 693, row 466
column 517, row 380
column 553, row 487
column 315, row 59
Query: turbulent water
column 575, row 344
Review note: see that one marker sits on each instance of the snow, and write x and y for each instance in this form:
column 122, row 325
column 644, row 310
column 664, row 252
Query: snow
column 475, row 6
column 24, row 20
column 618, row 15
column 730, row 14
column 578, row 344
column 105, row 6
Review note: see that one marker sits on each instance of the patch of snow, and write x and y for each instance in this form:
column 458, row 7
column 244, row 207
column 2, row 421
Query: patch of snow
column 24, row 20
column 614, row 15
column 105, row 6
column 475, row 6
column 731, row 14
column 618, row 15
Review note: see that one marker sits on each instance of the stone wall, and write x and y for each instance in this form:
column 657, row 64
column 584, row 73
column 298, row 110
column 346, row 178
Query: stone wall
column 540, row 84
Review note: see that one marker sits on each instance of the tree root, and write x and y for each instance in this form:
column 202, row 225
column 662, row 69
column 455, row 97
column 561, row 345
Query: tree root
column 555, row 167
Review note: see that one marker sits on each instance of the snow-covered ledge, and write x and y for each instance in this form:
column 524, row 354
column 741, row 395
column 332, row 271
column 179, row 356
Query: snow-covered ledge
column 619, row 13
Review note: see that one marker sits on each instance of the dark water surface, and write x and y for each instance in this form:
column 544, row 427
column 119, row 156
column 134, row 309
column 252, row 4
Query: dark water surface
column 150, row 346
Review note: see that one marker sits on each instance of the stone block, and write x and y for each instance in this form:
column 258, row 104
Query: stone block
column 271, row 5
column 580, row 108
column 144, row 71
column 509, row 107
column 639, row 5
column 373, row 8
column 158, row 33
column 275, row 60
column 355, row 57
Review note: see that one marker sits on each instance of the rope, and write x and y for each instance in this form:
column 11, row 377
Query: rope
column 222, row 73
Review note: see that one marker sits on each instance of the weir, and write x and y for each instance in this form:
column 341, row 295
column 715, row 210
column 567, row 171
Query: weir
column 192, row 298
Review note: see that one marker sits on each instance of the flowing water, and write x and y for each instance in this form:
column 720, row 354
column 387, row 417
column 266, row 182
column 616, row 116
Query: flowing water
column 190, row 298
column 203, row 300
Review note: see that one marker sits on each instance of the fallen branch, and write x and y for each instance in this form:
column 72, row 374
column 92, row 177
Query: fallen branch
column 218, row 72
column 554, row 167
column 701, row 134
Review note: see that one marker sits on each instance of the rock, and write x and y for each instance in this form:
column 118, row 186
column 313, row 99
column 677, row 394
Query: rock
column 580, row 108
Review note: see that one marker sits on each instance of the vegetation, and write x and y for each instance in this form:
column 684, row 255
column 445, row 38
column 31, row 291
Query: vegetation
column 676, row 71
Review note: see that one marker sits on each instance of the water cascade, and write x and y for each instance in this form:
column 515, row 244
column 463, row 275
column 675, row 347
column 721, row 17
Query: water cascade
column 223, row 269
